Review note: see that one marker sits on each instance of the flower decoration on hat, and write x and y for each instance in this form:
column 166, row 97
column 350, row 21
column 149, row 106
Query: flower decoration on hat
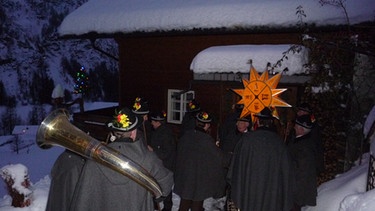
column 137, row 104
column 140, row 106
column 191, row 105
column 203, row 117
column 260, row 92
column 122, row 121
column 164, row 114
column 158, row 116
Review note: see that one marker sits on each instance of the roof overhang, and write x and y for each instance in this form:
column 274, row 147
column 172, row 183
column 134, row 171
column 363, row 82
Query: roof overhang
column 134, row 18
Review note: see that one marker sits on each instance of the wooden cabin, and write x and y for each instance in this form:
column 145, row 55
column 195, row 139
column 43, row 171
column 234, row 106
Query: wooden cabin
column 155, row 62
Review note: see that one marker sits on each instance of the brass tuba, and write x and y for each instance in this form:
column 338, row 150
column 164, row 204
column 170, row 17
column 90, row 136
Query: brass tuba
column 56, row 130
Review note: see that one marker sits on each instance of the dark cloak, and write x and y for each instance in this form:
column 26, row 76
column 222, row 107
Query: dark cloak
column 260, row 174
column 304, row 152
column 163, row 144
column 188, row 122
column 199, row 167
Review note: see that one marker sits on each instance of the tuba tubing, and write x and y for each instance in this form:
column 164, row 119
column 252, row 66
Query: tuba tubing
column 56, row 130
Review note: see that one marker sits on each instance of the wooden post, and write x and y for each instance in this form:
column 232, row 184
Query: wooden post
column 20, row 198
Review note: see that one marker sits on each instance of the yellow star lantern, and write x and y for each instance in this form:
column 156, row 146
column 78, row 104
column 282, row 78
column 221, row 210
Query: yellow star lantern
column 260, row 92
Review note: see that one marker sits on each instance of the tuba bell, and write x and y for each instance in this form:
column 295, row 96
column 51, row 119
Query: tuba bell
column 56, row 130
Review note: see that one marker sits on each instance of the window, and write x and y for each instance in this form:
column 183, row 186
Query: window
column 177, row 103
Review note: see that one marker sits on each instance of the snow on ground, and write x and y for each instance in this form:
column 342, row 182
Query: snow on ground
column 347, row 192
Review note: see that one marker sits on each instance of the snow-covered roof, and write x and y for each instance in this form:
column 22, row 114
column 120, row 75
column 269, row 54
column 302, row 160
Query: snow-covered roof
column 235, row 59
column 126, row 16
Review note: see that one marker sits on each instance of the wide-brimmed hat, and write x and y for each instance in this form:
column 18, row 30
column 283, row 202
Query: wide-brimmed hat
column 238, row 107
column 246, row 118
column 305, row 107
column 193, row 106
column 140, row 106
column 304, row 121
column 204, row 117
column 266, row 113
column 158, row 116
column 124, row 120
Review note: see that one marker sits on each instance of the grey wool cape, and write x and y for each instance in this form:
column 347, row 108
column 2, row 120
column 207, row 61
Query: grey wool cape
column 101, row 188
column 64, row 176
column 260, row 173
column 200, row 166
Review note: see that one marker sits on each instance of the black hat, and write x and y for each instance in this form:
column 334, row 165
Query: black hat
column 245, row 118
column 305, row 107
column 193, row 106
column 266, row 113
column 158, row 116
column 238, row 107
column 140, row 106
column 204, row 117
column 304, row 121
column 124, row 120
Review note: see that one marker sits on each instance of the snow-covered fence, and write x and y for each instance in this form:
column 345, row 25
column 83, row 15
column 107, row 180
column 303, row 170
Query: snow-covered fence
column 25, row 136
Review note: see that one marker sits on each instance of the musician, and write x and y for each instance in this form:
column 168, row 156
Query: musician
column 188, row 121
column 163, row 143
column 100, row 188
column 200, row 165
column 261, row 172
column 140, row 107
column 64, row 177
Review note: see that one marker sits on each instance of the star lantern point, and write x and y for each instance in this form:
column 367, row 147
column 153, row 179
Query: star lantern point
column 260, row 92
